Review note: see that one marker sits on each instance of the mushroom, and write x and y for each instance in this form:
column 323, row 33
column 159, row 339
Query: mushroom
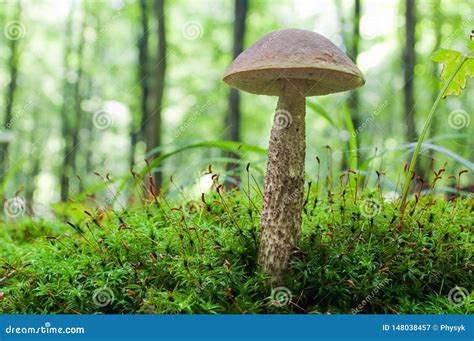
column 291, row 64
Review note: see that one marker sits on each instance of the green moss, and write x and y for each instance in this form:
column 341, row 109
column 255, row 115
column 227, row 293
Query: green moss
column 200, row 257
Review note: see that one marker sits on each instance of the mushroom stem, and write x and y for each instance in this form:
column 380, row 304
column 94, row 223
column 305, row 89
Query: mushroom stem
column 284, row 182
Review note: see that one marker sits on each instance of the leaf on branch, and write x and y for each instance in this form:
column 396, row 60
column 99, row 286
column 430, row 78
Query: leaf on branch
column 470, row 67
column 470, row 45
column 450, row 60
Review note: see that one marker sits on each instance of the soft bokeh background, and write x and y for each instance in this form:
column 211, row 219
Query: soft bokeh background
column 199, row 37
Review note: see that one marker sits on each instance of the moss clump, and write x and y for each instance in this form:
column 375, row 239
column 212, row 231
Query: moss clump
column 356, row 255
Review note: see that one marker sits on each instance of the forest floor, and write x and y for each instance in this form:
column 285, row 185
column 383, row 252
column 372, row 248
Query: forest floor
column 356, row 255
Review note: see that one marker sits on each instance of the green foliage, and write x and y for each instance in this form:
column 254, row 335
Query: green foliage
column 456, row 68
column 188, row 256
column 321, row 111
column 196, row 99
column 199, row 256
column 451, row 60
column 352, row 139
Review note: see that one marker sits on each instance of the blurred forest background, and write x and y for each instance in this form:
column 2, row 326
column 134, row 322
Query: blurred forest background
column 99, row 86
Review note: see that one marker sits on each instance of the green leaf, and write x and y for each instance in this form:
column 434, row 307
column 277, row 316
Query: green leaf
column 352, row 139
column 470, row 67
column 442, row 56
column 320, row 110
column 470, row 45
column 450, row 60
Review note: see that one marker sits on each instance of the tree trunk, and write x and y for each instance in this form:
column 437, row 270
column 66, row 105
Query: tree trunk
column 74, row 122
column 233, row 116
column 409, row 60
column 153, row 126
column 90, row 146
column 77, row 101
column 91, row 137
column 352, row 42
column 409, row 66
column 66, row 125
column 35, row 157
column 284, row 183
column 143, row 78
column 437, row 20
column 13, row 62
column 91, row 88
column 353, row 100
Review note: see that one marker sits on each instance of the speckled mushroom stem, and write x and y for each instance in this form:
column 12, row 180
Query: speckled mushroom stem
column 284, row 183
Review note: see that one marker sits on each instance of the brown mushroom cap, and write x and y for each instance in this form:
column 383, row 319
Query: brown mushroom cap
column 293, row 53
